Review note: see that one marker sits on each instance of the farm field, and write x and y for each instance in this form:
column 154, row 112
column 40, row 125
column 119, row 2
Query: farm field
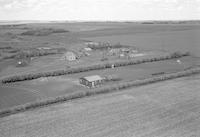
column 66, row 84
column 154, row 37
column 12, row 96
column 165, row 109
column 56, row 62
column 150, row 39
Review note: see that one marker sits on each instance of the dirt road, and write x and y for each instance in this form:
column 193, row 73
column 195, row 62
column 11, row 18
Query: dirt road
column 165, row 109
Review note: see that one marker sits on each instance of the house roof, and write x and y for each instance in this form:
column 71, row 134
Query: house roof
column 70, row 53
column 93, row 78
column 88, row 49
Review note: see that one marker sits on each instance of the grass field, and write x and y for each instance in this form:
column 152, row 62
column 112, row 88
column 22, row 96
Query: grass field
column 154, row 38
column 157, row 38
column 166, row 109
column 67, row 84
column 12, row 96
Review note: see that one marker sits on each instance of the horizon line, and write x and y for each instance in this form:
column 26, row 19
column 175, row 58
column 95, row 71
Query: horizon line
column 92, row 21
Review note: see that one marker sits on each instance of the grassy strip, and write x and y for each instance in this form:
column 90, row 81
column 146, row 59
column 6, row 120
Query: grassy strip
column 88, row 68
column 100, row 90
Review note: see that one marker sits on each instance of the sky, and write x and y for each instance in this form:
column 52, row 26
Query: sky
column 101, row 10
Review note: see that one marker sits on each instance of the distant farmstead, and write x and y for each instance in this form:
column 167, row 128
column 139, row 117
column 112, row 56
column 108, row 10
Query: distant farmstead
column 92, row 81
column 70, row 56
column 92, row 43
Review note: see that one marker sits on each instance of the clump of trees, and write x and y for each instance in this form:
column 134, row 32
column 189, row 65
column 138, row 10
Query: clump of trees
column 38, row 52
column 106, row 45
column 43, row 32
column 179, row 54
column 87, row 68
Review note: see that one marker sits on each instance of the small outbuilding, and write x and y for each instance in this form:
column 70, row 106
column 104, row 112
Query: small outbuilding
column 70, row 56
column 87, row 49
column 125, row 50
column 92, row 81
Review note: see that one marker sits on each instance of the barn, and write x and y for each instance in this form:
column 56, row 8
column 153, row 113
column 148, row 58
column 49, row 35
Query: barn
column 92, row 81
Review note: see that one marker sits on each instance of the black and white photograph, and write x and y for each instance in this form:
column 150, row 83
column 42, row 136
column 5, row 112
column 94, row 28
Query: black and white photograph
column 99, row 68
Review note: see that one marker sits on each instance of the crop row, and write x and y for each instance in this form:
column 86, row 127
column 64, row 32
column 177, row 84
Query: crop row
column 89, row 68
column 100, row 90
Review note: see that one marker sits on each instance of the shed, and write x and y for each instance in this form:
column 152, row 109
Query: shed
column 125, row 50
column 70, row 56
column 92, row 81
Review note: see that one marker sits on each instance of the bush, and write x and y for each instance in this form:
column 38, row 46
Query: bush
column 43, row 32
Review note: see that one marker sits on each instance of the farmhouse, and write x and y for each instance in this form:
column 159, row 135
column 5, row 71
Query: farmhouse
column 70, row 56
column 92, row 81
column 114, row 51
column 92, row 43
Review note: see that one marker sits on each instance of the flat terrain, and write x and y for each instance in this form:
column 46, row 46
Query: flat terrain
column 153, row 39
column 41, row 88
column 165, row 109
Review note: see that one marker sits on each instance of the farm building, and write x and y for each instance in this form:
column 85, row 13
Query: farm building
column 121, row 55
column 92, row 81
column 92, row 43
column 87, row 49
column 70, row 56
column 136, row 55
column 44, row 48
column 114, row 51
column 134, row 51
column 125, row 50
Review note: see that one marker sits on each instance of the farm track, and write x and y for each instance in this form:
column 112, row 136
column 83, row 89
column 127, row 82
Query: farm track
column 166, row 109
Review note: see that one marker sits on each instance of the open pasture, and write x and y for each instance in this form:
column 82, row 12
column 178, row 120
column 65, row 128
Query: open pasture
column 66, row 84
column 58, row 62
column 167, row 38
column 154, row 37
column 12, row 96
